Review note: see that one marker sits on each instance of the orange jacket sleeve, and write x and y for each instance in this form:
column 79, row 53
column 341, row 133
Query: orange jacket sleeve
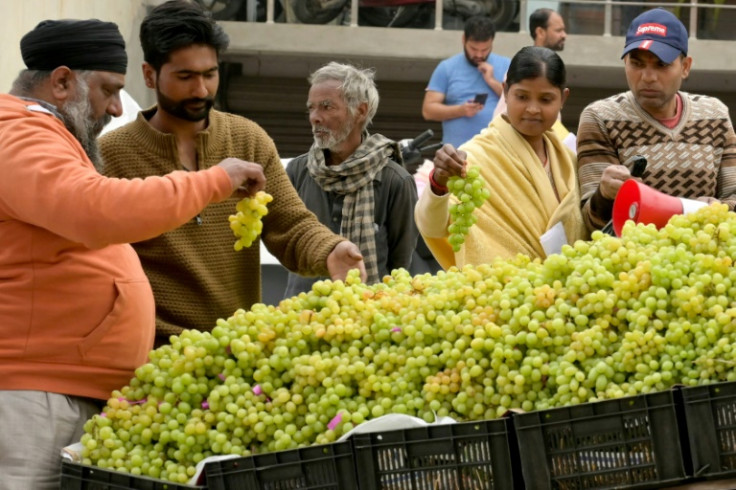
column 48, row 181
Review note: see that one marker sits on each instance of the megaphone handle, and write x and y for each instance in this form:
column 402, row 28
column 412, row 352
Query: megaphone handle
column 638, row 165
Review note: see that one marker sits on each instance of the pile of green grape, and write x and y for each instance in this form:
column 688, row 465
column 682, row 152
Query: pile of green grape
column 606, row 318
column 246, row 223
column 471, row 192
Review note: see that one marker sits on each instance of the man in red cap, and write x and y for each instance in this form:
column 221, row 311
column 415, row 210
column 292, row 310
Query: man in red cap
column 687, row 139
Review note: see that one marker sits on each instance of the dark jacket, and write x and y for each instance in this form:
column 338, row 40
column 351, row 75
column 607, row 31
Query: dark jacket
column 395, row 197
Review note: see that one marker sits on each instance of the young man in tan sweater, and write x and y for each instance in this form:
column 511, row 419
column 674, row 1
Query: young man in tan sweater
column 196, row 275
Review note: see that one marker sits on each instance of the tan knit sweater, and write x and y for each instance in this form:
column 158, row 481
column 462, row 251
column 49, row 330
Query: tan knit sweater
column 196, row 275
column 695, row 158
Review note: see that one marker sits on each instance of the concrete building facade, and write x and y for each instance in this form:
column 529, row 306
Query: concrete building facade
column 265, row 69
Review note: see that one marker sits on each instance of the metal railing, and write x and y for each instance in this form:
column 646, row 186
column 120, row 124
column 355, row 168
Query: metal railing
column 691, row 10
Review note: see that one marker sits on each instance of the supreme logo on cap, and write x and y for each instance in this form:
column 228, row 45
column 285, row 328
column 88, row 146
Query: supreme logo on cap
column 655, row 29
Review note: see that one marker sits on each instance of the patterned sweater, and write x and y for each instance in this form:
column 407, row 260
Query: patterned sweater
column 196, row 275
column 695, row 158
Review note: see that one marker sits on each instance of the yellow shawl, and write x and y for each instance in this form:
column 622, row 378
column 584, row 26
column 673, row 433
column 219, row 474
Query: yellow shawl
column 523, row 205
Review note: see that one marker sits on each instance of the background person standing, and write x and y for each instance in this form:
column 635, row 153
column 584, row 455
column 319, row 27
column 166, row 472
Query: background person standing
column 548, row 31
column 450, row 94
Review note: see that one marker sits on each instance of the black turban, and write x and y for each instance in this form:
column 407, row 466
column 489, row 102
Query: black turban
column 77, row 44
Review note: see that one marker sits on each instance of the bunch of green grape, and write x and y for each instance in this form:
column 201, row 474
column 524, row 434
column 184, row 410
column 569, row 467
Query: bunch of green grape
column 603, row 319
column 471, row 192
column 246, row 223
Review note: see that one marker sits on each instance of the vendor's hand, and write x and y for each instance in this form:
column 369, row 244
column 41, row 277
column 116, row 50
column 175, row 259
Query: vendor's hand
column 707, row 199
column 448, row 162
column 247, row 177
column 345, row 257
column 612, row 179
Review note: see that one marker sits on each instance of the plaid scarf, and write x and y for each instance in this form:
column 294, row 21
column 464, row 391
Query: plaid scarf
column 353, row 178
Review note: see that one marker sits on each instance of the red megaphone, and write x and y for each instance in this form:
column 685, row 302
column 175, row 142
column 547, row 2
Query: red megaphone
column 639, row 202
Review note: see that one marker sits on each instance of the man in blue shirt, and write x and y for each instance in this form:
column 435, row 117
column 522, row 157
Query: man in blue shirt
column 456, row 81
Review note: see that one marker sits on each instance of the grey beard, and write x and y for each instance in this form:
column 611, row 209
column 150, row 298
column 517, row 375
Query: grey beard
column 93, row 152
column 86, row 132
column 77, row 117
column 333, row 140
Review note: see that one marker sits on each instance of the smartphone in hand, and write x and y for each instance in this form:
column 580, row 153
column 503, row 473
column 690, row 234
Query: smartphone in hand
column 480, row 98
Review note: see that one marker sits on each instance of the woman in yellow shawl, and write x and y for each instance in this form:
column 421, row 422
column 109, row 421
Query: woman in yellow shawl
column 529, row 170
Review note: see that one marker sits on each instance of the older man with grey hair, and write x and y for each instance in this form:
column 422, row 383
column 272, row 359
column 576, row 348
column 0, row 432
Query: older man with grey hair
column 352, row 180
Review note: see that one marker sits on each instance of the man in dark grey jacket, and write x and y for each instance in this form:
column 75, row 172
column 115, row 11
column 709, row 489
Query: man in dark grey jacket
column 352, row 180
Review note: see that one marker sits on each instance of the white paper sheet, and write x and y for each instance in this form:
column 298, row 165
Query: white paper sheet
column 553, row 240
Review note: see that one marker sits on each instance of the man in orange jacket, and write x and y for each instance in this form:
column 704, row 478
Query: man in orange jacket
column 76, row 309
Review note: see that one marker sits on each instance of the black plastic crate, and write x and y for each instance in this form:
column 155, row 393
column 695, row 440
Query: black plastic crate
column 710, row 416
column 631, row 442
column 75, row 476
column 328, row 466
column 462, row 456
